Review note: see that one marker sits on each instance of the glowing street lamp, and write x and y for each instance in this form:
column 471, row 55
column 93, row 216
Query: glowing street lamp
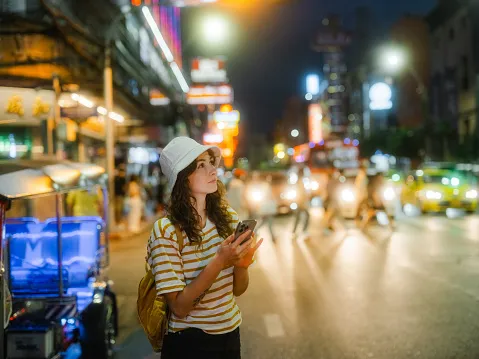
column 215, row 29
column 294, row 133
column 393, row 59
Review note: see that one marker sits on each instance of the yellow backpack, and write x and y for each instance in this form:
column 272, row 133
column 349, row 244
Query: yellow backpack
column 152, row 309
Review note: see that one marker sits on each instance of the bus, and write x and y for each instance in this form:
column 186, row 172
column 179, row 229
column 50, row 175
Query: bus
column 323, row 157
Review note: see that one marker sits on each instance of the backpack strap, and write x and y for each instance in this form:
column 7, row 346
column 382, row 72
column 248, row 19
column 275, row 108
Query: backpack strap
column 181, row 244
column 181, row 239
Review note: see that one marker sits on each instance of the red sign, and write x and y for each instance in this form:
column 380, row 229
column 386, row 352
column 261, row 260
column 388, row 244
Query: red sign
column 208, row 71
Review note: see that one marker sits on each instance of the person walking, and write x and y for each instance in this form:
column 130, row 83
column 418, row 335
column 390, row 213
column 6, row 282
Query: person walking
column 135, row 204
column 303, row 202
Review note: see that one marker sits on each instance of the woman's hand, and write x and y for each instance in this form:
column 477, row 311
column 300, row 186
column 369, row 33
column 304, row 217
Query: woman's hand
column 248, row 258
column 231, row 251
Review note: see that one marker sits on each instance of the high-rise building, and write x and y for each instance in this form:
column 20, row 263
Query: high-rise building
column 331, row 41
column 411, row 33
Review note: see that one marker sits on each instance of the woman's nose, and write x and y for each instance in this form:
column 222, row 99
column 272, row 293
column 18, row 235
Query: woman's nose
column 212, row 170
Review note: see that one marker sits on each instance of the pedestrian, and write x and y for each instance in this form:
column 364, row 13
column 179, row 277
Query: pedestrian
column 303, row 202
column 236, row 192
column 375, row 202
column 120, row 192
column 331, row 205
column 262, row 206
column 361, row 189
column 85, row 202
column 135, row 204
column 201, row 280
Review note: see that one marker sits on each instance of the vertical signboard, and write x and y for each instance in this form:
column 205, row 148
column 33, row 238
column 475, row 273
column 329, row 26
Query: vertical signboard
column 315, row 123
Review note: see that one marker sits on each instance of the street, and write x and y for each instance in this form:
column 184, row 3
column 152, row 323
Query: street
column 344, row 295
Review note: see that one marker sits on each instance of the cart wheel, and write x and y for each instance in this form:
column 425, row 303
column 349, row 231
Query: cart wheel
column 98, row 330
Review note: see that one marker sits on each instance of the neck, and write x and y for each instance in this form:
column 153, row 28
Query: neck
column 200, row 206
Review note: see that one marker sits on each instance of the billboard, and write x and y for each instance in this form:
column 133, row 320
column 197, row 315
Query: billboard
column 210, row 95
column 380, row 95
column 24, row 106
column 204, row 70
column 227, row 119
column 167, row 18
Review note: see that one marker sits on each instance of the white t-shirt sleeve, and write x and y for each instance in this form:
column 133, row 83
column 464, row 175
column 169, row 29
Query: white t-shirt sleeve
column 164, row 258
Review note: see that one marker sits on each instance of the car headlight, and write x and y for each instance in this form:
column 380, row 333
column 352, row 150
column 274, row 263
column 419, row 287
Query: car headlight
column 433, row 195
column 471, row 194
column 256, row 195
column 347, row 195
column 389, row 194
column 314, row 186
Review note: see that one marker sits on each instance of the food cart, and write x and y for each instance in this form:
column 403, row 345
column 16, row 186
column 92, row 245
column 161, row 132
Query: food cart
column 54, row 268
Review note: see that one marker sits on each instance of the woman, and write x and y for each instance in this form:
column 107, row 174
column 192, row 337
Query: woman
column 201, row 279
column 135, row 204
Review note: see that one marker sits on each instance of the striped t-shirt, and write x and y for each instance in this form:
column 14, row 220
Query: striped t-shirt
column 217, row 312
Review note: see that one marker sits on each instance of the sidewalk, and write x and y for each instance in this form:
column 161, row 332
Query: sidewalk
column 121, row 232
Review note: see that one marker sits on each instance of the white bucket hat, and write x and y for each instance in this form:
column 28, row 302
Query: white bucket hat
column 179, row 154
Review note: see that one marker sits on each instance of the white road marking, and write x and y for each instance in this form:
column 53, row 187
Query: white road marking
column 274, row 327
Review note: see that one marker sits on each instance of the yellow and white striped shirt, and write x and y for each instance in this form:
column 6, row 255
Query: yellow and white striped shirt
column 217, row 312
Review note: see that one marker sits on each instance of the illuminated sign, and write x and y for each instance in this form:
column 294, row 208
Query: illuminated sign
column 210, row 95
column 213, row 138
column 312, row 84
column 157, row 98
column 150, row 56
column 208, row 71
column 315, row 117
column 228, row 119
column 25, row 105
column 380, row 95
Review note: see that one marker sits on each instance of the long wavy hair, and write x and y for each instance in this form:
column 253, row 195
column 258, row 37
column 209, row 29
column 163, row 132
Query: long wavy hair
column 181, row 210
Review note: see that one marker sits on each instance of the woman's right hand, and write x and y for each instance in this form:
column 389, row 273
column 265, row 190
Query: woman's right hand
column 231, row 251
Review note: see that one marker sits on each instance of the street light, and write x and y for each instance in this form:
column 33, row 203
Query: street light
column 294, row 133
column 215, row 29
column 393, row 59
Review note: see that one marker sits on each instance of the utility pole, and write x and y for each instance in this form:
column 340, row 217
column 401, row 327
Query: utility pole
column 109, row 132
column 52, row 123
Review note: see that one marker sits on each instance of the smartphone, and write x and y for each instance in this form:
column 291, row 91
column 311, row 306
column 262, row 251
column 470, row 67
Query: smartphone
column 244, row 226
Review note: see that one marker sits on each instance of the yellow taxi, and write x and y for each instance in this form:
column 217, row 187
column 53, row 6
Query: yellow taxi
column 435, row 190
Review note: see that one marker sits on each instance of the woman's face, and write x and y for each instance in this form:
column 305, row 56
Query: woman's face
column 203, row 180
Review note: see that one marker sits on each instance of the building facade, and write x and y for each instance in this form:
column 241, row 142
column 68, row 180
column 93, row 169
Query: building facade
column 52, row 76
column 454, row 36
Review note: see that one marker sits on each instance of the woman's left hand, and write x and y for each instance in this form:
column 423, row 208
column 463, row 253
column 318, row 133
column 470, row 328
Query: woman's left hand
column 248, row 258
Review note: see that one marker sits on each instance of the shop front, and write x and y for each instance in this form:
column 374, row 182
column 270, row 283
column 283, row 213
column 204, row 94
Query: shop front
column 23, row 122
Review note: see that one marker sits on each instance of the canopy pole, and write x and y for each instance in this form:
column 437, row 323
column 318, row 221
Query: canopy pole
column 59, row 243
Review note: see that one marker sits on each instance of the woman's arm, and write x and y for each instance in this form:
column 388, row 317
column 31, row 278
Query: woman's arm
column 240, row 281
column 183, row 302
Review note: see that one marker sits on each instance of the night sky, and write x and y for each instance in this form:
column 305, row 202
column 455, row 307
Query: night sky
column 270, row 54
